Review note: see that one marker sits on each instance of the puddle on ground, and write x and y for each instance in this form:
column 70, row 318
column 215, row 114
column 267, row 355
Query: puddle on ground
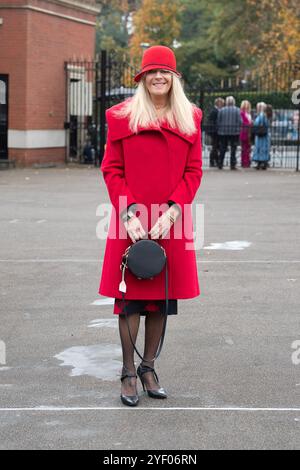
column 233, row 245
column 104, row 323
column 99, row 360
column 228, row 340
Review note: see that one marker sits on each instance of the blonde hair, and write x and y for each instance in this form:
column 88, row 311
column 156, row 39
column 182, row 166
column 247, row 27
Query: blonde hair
column 246, row 105
column 141, row 111
column 261, row 107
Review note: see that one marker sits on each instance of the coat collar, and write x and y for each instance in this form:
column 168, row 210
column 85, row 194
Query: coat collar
column 119, row 128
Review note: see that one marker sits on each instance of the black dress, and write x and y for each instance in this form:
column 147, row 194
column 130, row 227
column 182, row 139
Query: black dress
column 146, row 306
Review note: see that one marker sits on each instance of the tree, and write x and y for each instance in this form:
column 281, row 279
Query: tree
column 112, row 24
column 260, row 33
column 197, row 57
column 218, row 38
column 155, row 22
column 214, row 37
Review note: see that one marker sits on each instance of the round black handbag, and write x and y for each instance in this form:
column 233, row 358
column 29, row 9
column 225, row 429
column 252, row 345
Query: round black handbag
column 145, row 259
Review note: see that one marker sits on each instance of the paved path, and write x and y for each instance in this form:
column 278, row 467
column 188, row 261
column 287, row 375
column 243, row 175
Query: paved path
column 227, row 362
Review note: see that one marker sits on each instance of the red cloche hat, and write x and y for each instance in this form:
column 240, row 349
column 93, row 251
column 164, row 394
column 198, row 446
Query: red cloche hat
column 157, row 57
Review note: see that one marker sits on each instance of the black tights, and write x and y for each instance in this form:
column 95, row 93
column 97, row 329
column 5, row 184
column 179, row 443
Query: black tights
column 153, row 329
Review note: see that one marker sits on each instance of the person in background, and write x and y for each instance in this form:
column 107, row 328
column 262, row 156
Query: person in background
column 269, row 114
column 229, row 126
column 262, row 147
column 88, row 152
column 212, row 131
column 245, row 135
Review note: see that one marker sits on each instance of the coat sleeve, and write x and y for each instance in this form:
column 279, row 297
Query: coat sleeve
column 112, row 168
column 186, row 190
column 219, row 118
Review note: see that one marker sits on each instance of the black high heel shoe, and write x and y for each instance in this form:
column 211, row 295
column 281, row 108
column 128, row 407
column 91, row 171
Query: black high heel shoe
column 129, row 400
column 160, row 393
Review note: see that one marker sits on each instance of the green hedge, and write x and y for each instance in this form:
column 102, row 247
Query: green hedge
column 279, row 100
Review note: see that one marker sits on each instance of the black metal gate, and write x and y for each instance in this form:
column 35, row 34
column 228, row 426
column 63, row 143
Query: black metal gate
column 81, row 111
column 3, row 116
column 91, row 88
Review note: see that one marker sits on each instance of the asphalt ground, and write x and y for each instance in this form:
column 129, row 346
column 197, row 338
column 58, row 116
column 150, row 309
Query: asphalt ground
column 230, row 359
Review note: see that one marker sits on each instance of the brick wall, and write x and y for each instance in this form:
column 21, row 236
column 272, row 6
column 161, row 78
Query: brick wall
column 34, row 47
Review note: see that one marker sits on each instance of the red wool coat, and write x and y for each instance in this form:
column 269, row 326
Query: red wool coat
column 151, row 167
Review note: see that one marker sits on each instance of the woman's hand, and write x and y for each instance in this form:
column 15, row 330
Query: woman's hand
column 134, row 229
column 164, row 223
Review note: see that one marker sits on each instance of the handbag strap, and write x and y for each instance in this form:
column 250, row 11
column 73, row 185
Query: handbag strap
column 161, row 341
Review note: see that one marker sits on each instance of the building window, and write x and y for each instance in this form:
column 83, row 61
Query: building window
column 2, row 92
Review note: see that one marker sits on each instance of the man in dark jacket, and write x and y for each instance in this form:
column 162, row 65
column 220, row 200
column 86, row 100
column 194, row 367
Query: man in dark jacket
column 229, row 124
column 212, row 131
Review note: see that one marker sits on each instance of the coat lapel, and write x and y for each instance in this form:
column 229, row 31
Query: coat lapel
column 119, row 129
column 189, row 138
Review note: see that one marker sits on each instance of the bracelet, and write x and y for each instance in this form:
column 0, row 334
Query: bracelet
column 127, row 215
column 129, row 218
column 170, row 217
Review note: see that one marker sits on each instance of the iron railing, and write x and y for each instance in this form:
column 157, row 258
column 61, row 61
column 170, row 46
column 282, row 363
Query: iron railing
column 92, row 87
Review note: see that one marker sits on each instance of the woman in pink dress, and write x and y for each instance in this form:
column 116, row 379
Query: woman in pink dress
column 245, row 135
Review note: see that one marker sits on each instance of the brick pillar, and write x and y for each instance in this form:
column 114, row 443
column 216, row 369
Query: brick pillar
column 37, row 37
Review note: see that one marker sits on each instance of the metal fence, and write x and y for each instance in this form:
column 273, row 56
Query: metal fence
column 81, row 122
column 92, row 87
column 283, row 137
column 278, row 89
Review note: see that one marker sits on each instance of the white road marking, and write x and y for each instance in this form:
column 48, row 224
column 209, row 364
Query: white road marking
column 235, row 245
column 151, row 408
column 104, row 323
column 255, row 261
column 202, row 261
column 104, row 301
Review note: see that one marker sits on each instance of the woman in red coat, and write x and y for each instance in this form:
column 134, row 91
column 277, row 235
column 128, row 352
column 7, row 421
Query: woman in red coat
column 152, row 168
